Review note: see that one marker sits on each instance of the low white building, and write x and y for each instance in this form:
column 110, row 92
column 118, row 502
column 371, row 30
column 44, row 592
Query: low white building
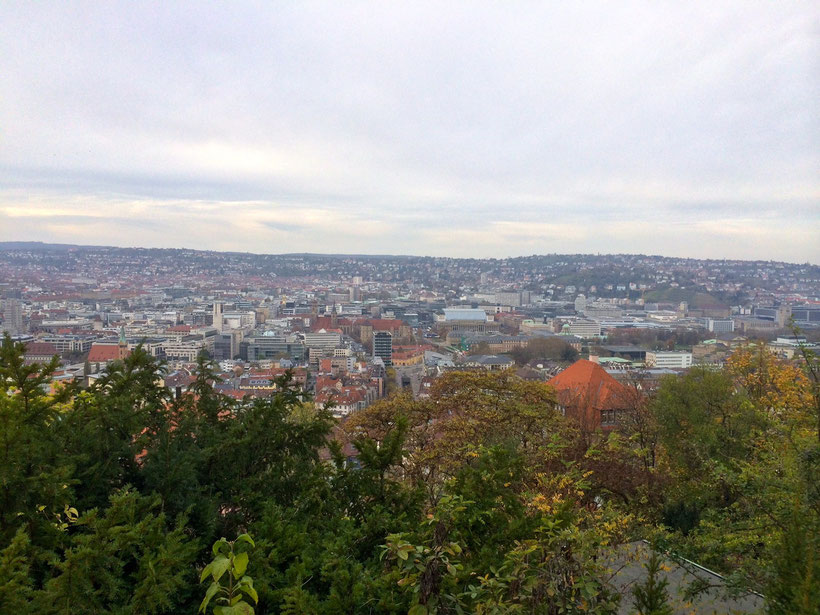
column 669, row 359
column 322, row 339
column 583, row 328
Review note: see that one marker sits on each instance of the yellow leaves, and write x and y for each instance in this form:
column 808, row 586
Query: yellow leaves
column 776, row 385
column 540, row 503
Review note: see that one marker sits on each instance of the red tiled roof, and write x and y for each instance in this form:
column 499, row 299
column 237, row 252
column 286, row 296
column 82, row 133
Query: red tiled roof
column 588, row 382
column 102, row 353
column 40, row 349
column 385, row 324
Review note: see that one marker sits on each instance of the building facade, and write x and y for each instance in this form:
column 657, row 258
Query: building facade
column 669, row 360
column 383, row 347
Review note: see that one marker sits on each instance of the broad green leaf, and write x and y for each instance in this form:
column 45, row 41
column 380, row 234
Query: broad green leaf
column 240, row 564
column 219, row 546
column 208, row 595
column 251, row 592
column 246, row 581
column 245, row 538
column 417, row 609
column 219, row 566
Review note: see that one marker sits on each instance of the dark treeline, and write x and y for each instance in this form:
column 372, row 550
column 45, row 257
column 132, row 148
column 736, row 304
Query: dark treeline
column 481, row 499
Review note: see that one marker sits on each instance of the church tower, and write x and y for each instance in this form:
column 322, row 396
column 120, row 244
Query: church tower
column 122, row 346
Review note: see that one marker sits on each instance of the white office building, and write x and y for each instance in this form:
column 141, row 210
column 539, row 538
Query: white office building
column 323, row 339
column 669, row 360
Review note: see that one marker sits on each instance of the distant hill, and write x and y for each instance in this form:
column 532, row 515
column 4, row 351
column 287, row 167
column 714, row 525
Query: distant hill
column 695, row 299
column 36, row 245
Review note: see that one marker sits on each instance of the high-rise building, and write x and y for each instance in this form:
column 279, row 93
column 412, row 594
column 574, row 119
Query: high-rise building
column 13, row 316
column 580, row 304
column 383, row 346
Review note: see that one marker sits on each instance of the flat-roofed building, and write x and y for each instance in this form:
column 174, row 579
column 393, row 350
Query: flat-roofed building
column 465, row 320
column 582, row 328
column 720, row 325
column 669, row 359
column 489, row 362
column 511, row 298
column 70, row 343
column 272, row 347
column 13, row 316
column 383, row 346
column 323, row 339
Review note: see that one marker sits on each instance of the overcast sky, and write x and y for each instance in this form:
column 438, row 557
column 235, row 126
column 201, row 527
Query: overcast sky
column 457, row 129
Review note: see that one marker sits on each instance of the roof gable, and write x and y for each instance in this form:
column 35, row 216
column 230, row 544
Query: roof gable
column 588, row 382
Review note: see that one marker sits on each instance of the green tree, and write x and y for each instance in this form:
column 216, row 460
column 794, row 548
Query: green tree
column 652, row 596
column 16, row 588
column 230, row 587
column 127, row 559
column 35, row 474
column 743, row 496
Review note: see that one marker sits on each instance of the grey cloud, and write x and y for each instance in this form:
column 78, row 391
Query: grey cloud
column 421, row 118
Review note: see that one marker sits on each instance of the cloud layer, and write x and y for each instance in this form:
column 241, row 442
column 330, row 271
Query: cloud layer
column 461, row 129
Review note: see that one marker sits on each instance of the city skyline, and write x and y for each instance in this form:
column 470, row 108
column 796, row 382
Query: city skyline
column 445, row 130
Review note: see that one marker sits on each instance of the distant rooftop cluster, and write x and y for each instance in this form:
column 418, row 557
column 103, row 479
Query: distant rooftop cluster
column 353, row 328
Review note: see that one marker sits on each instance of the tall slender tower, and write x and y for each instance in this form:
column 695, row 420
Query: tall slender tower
column 334, row 316
column 218, row 316
column 122, row 346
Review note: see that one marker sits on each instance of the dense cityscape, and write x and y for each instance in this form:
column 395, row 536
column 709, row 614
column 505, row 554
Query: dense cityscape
column 351, row 318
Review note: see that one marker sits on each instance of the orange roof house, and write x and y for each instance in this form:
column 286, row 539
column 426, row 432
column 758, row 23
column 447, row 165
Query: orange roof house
column 588, row 394
column 104, row 353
